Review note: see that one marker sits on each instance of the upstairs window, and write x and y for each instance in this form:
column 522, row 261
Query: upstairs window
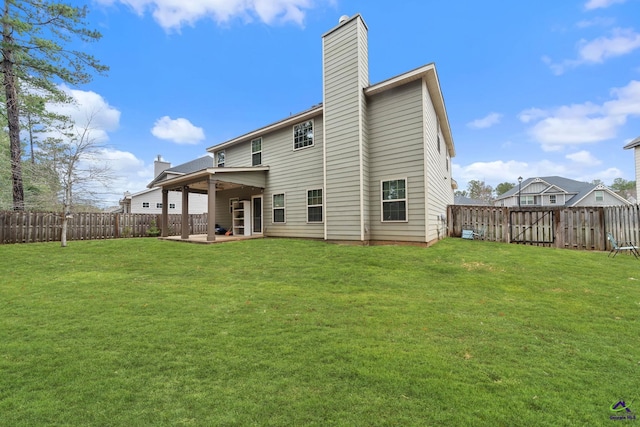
column 303, row 135
column 314, row 205
column 220, row 159
column 159, row 205
column 394, row 200
column 145, row 204
column 256, row 152
column 552, row 199
column 172, row 205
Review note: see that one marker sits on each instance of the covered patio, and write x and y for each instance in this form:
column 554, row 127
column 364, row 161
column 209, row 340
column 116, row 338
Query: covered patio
column 202, row 238
column 208, row 181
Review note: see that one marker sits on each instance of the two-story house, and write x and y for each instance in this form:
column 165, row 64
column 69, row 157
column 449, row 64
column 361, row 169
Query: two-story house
column 371, row 163
column 555, row 191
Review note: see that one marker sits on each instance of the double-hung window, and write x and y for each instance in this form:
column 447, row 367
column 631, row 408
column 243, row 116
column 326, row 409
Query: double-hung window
column 159, row 205
column 172, row 205
column 220, row 159
column 314, row 205
column 256, row 152
column 527, row 200
column 303, row 135
column 394, row 200
column 552, row 199
column 145, row 204
column 279, row 208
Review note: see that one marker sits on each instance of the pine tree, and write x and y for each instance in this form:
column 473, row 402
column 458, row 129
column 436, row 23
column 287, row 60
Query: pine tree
column 36, row 56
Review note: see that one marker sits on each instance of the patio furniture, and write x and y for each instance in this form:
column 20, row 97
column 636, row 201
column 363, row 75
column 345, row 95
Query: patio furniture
column 616, row 247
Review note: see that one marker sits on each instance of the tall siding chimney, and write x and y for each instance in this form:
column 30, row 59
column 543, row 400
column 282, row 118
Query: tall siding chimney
column 160, row 166
column 345, row 75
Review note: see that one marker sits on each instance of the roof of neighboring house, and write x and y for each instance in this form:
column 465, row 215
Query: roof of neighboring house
column 632, row 144
column 196, row 165
column 558, row 185
column 462, row 200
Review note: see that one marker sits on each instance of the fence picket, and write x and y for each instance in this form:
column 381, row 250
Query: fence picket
column 581, row 228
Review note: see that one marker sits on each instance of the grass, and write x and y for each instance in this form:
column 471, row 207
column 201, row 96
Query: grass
column 303, row 333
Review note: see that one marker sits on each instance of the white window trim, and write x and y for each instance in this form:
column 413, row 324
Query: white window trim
column 159, row 205
column 218, row 159
column 145, row 203
column 306, row 193
column 406, row 200
column 273, row 208
column 256, row 152
column 172, row 205
column 293, row 135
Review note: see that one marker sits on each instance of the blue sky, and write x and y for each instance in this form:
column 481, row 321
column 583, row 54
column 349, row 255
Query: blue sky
column 531, row 88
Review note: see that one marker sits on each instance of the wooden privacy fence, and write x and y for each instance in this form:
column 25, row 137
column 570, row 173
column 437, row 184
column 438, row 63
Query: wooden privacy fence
column 572, row 228
column 29, row 227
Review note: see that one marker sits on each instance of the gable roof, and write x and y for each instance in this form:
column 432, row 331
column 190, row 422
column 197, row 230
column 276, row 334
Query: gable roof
column 570, row 186
column 632, row 144
column 195, row 165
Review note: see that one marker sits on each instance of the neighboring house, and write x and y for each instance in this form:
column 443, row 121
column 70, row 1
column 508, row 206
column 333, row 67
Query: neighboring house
column 371, row 163
column 635, row 144
column 557, row 191
column 150, row 200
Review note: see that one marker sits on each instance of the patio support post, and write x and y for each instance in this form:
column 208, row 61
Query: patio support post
column 164, row 219
column 185, row 213
column 211, row 215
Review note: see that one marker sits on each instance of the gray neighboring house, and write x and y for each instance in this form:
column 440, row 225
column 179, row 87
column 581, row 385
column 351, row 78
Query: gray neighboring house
column 150, row 200
column 371, row 163
column 557, row 191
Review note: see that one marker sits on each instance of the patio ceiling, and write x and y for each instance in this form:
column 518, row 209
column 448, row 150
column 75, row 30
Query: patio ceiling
column 227, row 178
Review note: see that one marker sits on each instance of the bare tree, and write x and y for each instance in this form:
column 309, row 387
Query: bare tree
column 76, row 157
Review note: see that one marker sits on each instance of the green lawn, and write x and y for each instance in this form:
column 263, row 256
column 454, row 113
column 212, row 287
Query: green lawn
column 142, row 332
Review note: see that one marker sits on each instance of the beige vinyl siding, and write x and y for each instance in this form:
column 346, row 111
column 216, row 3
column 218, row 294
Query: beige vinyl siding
column 636, row 155
column 239, row 156
column 345, row 75
column 438, row 179
column 292, row 172
column 396, row 151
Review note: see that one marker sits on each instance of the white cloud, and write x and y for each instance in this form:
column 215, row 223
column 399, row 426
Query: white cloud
column 532, row 114
column 601, row 4
column 620, row 41
column 583, row 123
column 485, row 122
column 180, row 130
column 596, row 22
column 583, row 158
column 89, row 110
column 173, row 14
